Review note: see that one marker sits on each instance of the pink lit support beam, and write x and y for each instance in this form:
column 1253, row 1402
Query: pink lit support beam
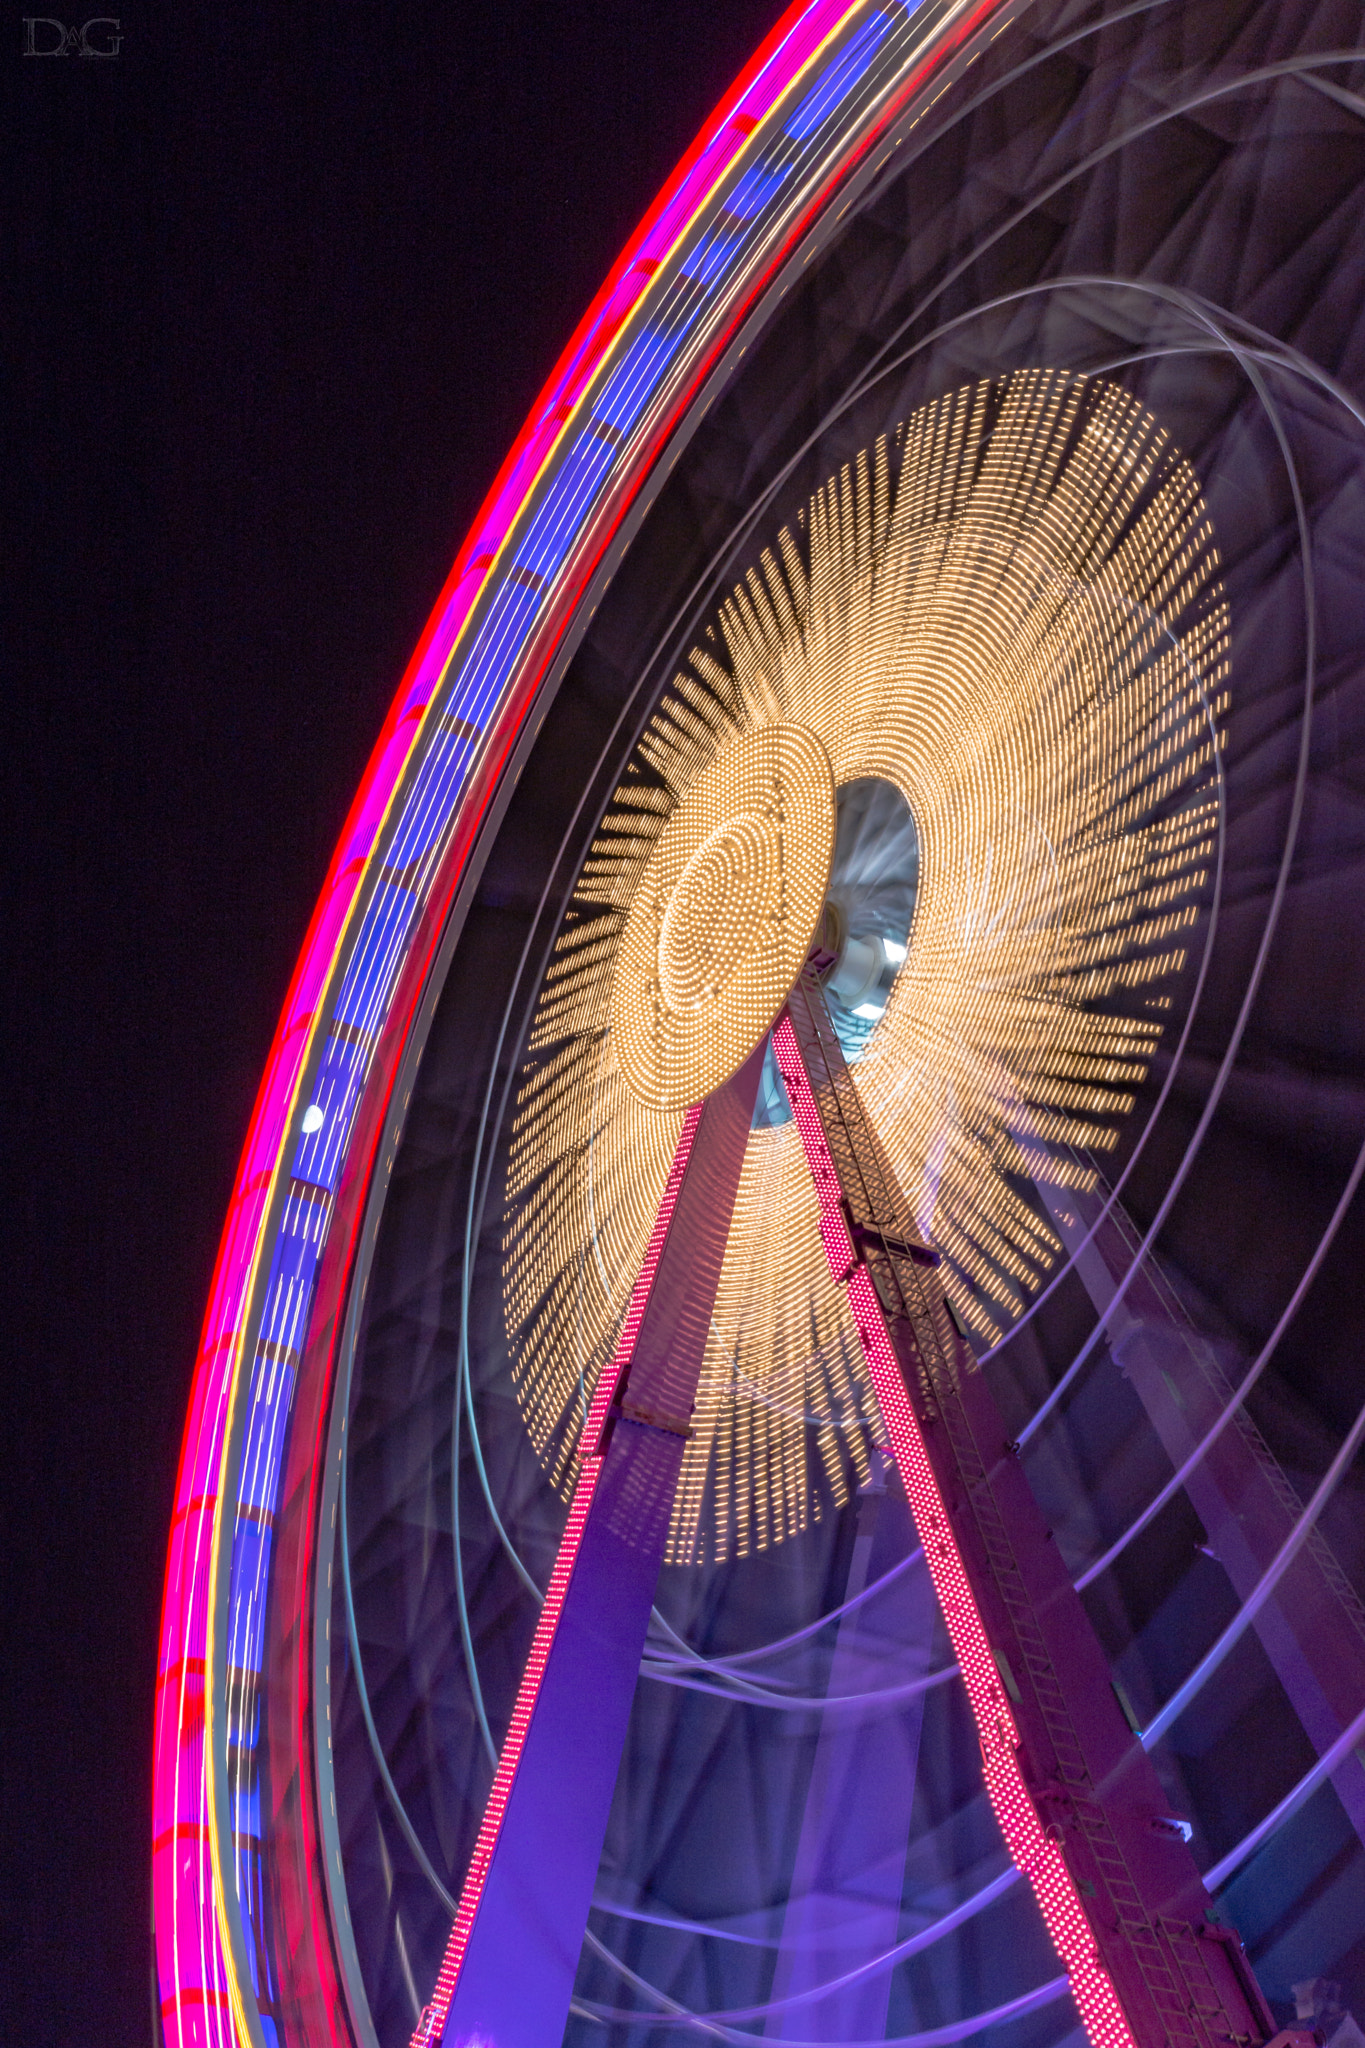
column 509, row 1966
column 1078, row 1801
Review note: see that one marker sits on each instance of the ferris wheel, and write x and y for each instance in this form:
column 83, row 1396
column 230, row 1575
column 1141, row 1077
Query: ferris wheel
column 773, row 1451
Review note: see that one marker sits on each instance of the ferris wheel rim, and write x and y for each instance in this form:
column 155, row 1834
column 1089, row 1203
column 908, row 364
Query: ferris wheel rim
column 415, row 995
column 202, row 1962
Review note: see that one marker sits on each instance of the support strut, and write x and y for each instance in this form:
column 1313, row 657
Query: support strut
column 1078, row 1801
column 509, row 1965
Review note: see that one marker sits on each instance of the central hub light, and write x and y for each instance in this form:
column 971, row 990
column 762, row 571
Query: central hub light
column 1003, row 627
column 724, row 917
column 727, row 900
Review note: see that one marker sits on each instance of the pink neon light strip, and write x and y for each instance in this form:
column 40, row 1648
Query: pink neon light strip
column 1039, row 1859
column 192, row 1967
column 592, row 1457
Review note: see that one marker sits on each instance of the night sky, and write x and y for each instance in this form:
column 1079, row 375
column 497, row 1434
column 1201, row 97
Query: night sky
column 280, row 286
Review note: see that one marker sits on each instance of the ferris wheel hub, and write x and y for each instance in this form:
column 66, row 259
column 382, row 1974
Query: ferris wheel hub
column 724, row 917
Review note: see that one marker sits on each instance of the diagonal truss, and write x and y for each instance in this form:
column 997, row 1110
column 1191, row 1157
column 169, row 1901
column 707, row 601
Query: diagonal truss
column 1078, row 1801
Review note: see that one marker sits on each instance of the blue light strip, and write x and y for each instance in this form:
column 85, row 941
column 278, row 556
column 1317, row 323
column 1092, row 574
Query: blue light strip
column 727, row 244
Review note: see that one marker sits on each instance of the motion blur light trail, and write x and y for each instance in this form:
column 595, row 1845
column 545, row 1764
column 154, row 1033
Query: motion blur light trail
column 807, row 109
column 915, row 258
column 1010, row 612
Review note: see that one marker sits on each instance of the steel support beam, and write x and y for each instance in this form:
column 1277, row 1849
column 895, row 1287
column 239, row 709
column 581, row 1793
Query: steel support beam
column 1313, row 1630
column 1078, row 1801
column 509, row 1966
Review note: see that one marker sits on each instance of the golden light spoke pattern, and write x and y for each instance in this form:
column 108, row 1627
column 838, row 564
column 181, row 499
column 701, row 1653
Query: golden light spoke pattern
column 1009, row 609
column 723, row 916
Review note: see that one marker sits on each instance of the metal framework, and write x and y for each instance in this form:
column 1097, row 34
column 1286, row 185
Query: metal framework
column 1078, row 1802
column 530, row 1879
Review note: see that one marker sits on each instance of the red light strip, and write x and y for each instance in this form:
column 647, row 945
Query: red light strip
column 194, row 1950
column 1035, row 1855
column 592, row 1457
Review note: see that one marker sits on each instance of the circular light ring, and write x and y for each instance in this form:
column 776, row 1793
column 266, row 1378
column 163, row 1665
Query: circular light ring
column 1012, row 612
column 1123, row 327
column 724, row 917
column 252, row 1487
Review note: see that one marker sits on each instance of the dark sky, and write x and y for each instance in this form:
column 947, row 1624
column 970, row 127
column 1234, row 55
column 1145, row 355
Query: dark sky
column 279, row 287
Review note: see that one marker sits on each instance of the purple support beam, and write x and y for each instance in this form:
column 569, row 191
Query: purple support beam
column 1079, row 1803
column 509, row 1967
column 1313, row 1630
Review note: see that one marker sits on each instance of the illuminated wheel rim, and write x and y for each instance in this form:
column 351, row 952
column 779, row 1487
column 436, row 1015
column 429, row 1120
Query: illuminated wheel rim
column 820, row 128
